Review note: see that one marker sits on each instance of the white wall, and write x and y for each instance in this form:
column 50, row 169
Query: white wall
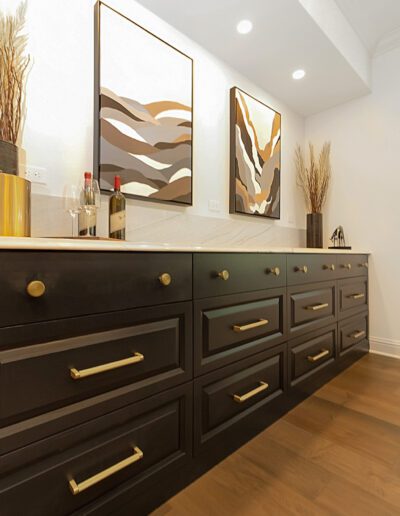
column 59, row 127
column 365, row 193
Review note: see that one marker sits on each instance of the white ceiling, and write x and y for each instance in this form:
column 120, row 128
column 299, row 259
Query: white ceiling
column 373, row 20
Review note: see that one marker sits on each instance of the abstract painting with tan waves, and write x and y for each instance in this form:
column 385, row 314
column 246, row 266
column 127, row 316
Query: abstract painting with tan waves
column 255, row 157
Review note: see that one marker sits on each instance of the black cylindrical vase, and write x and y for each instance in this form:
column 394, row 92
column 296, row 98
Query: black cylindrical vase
column 314, row 230
column 8, row 158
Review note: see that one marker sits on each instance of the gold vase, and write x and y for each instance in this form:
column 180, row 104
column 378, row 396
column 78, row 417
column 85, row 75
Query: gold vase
column 15, row 206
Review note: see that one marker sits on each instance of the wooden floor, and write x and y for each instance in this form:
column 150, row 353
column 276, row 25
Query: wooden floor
column 336, row 453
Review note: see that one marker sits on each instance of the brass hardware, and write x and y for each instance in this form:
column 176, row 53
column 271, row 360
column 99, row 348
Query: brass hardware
column 262, row 322
column 240, row 399
column 315, row 358
column 330, row 267
column 274, row 270
column 77, row 375
column 357, row 296
column 346, row 266
column 95, row 479
column 15, row 206
column 303, row 269
column 165, row 279
column 357, row 334
column 364, row 264
column 36, row 288
column 315, row 308
column 224, row 275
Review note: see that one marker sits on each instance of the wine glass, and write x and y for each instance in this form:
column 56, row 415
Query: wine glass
column 72, row 203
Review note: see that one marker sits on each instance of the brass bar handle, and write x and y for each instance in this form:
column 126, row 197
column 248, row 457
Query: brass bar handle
column 357, row 296
column 357, row 334
column 330, row 267
column 95, row 479
column 315, row 308
column 244, row 327
column 36, row 288
column 77, row 375
column 165, row 279
column 315, row 358
column 346, row 266
column 274, row 270
column 303, row 269
column 240, row 399
column 224, row 275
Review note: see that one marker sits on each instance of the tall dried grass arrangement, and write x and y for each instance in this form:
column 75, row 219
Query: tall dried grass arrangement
column 13, row 69
column 314, row 179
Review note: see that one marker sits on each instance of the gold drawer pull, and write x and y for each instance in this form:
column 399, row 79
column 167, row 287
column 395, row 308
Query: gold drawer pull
column 357, row 296
column 315, row 308
column 315, row 358
column 165, row 279
column 240, row 399
column 36, row 288
column 274, row 270
column 365, row 265
column 303, row 269
column 330, row 267
column 224, row 275
column 77, row 375
column 347, row 266
column 95, row 479
column 261, row 322
column 357, row 334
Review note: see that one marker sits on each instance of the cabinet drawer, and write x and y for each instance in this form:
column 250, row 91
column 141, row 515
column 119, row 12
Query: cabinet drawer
column 310, row 353
column 79, row 283
column 352, row 331
column 131, row 446
column 216, row 274
column 311, row 307
column 353, row 296
column 231, row 327
column 309, row 268
column 226, row 396
column 153, row 354
column 350, row 265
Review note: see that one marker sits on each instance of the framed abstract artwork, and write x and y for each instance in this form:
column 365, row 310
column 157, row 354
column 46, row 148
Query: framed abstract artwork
column 143, row 112
column 255, row 182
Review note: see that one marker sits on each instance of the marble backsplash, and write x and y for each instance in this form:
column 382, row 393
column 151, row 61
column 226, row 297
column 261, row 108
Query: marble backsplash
column 153, row 223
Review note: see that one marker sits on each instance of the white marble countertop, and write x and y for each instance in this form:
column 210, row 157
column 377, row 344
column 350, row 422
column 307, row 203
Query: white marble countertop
column 64, row 244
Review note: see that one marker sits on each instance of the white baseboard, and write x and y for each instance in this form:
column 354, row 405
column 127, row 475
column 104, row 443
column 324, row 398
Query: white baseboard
column 387, row 347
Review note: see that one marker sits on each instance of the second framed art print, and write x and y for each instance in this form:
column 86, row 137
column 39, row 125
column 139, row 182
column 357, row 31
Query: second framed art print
column 255, row 176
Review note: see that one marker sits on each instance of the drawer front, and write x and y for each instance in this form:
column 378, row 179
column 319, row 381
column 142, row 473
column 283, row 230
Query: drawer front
column 353, row 296
column 217, row 274
column 226, row 396
column 144, row 441
column 152, row 355
column 352, row 331
column 309, row 268
column 79, row 283
column 311, row 307
column 232, row 327
column 310, row 353
column 350, row 265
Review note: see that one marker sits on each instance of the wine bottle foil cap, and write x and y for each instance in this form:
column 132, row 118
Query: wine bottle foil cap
column 88, row 175
column 117, row 182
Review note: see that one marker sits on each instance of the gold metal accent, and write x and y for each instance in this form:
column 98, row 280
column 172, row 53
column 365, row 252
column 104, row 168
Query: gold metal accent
column 77, row 375
column 274, row 270
column 346, row 266
column 15, row 206
column 357, row 296
column 95, row 479
column 315, row 308
column 330, row 267
column 357, row 334
column 36, row 288
column 315, row 358
column 165, row 279
column 239, row 328
column 303, row 269
column 240, row 399
column 364, row 264
column 224, row 275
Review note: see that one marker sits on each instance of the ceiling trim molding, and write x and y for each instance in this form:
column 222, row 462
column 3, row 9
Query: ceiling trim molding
column 388, row 42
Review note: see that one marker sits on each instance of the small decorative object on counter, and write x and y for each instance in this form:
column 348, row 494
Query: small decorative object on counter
column 314, row 181
column 338, row 239
column 117, row 212
column 89, row 203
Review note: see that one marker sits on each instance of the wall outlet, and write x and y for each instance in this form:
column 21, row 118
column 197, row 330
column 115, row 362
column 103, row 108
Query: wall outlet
column 214, row 205
column 36, row 174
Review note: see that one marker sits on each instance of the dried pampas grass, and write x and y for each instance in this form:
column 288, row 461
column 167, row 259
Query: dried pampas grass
column 314, row 179
column 13, row 69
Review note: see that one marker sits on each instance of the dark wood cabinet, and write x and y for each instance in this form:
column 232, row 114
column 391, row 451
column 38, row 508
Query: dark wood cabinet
column 352, row 331
column 352, row 296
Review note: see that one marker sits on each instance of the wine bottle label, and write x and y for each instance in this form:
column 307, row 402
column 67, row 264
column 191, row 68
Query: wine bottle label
column 117, row 221
column 87, row 223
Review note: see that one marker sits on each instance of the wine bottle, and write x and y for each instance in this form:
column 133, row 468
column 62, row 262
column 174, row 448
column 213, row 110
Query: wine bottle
column 87, row 214
column 117, row 213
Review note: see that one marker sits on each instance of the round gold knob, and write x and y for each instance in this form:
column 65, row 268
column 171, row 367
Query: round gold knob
column 347, row 266
column 330, row 267
column 303, row 269
column 165, row 279
column 224, row 275
column 36, row 288
column 274, row 270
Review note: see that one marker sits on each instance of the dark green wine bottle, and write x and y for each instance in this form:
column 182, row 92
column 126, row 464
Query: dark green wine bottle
column 117, row 213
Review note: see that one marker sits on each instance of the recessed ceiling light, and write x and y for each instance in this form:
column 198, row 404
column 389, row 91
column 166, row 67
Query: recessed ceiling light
column 244, row 26
column 298, row 74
